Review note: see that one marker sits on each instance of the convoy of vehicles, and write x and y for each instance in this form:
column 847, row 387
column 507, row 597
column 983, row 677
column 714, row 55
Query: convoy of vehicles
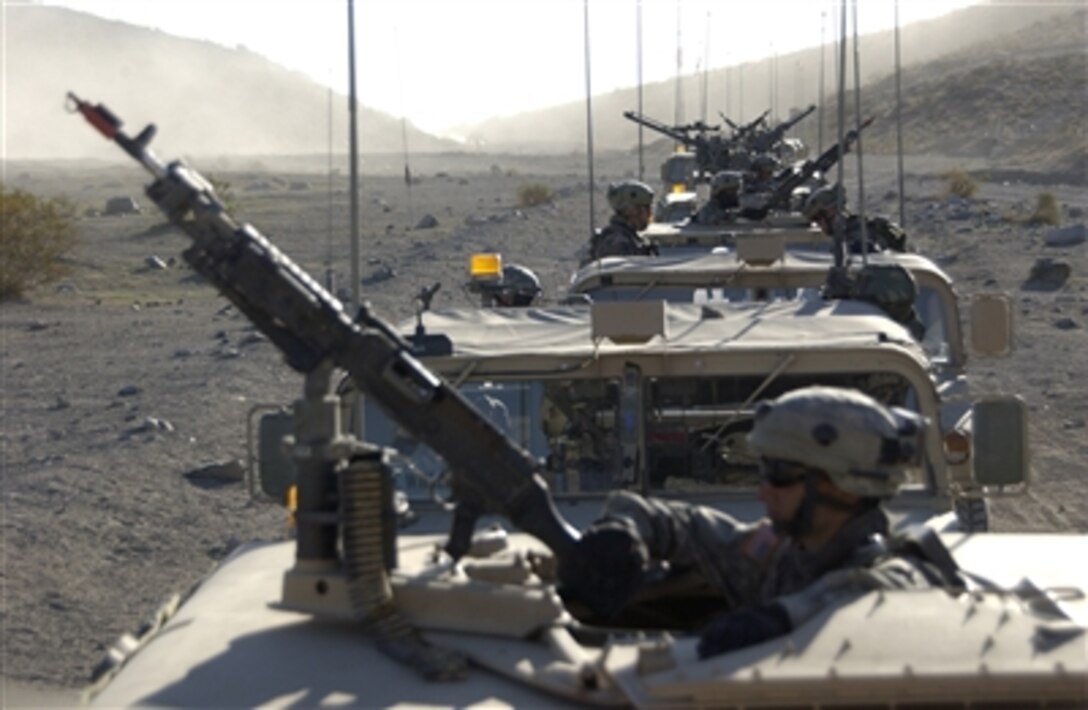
column 527, row 417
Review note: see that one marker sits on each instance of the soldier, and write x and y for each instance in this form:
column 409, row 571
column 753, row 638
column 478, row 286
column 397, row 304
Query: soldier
column 632, row 205
column 763, row 170
column 519, row 287
column 721, row 208
column 828, row 458
column 821, row 208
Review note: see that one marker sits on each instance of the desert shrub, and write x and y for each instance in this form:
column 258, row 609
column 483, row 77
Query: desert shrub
column 35, row 234
column 1046, row 210
column 959, row 182
column 225, row 192
column 533, row 194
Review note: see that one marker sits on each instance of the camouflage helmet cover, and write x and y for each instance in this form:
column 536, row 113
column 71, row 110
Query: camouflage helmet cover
column 519, row 286
column 765, row 162
column 727, row 181
column 824, row 199
column 629, row 193
column 864, row 447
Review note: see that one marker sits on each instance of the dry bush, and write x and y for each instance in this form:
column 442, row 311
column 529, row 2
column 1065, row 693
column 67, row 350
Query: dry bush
column 1046, row 210
column 35, row 234
column 959, row 182
column 225, row 193
column 533, row 194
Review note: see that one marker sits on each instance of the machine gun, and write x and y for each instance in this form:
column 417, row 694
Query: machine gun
column 677, row 133
column 490, row 472
column 763, row 142
column 789, row 179
column 741, row 132
column 713, row 150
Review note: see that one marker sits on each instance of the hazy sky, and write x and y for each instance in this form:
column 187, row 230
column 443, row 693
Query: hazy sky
column 448, row 62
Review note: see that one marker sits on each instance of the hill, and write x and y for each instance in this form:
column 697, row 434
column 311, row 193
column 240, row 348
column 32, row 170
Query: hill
column 226, row 101
column 993, row 81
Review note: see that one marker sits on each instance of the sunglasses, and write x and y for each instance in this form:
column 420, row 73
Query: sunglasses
column 777, row 473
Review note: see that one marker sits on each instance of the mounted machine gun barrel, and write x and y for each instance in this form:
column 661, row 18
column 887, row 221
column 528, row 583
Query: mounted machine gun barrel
column 763, row 142
column 310, row 327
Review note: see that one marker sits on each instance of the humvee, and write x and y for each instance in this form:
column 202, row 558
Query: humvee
column 623, row 395
column 760, row 268
column 351, row 612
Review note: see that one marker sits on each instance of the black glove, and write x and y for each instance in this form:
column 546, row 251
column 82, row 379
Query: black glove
column 608, row 566
column 746, row 627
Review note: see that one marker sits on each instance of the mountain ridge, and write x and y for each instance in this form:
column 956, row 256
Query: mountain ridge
column 959, row 72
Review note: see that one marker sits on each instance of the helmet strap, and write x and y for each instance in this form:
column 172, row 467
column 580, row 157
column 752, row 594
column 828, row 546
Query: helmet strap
column 801, row 522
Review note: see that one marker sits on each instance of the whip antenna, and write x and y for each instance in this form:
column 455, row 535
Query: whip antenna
column 589, row 120
column 404, row 131
column 638, row 68
column 328, row 240
column 858, row 127
column 356, row 297
column 899, row 123
column 840, row 192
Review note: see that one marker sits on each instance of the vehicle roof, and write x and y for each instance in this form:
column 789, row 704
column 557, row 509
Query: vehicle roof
column 689, row 328
column 718, row 267
column 777, row 222
column 791, row 229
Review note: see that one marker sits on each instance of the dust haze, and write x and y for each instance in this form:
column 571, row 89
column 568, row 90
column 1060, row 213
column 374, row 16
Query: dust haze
column 1022, row 66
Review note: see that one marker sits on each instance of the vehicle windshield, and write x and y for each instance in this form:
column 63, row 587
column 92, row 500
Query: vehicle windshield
column 683, row 435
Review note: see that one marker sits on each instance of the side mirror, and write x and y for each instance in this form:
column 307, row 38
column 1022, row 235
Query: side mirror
column 1000, row 441
column 991, row 325
column 271, row 469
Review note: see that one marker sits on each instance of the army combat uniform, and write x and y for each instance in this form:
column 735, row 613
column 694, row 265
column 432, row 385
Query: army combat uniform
column 883, row 234
column 752, row 565
column 619, row 239
column 713, row 214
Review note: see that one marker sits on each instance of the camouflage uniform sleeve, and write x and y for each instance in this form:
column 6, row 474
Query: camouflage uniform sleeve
column 731, row 556
column 612, row 242
column 887, row 234
column 846, row 584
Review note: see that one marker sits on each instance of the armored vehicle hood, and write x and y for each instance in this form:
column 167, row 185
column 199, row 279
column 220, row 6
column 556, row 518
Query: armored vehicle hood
column 229, row 646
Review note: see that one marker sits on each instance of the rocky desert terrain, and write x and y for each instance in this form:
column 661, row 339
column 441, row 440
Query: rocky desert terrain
column 126, row 379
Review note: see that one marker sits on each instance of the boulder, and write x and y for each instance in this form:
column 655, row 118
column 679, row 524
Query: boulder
column 1066, row 236
column 428, row 221
column 121, row 205
column 1047, row 275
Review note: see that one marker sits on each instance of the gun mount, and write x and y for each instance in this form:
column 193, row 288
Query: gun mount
column 713, row 150
column 791, row 178
column 740, row 133
column 767, row 140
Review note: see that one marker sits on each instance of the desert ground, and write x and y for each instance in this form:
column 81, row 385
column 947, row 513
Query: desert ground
column 128, row 375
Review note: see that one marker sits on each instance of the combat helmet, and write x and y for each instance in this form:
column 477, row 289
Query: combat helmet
column 726, row 182
column 889, row 286
column 824, row 199
column 765, row 163
column 629, row 193
column 519, row 286
column 864, row 447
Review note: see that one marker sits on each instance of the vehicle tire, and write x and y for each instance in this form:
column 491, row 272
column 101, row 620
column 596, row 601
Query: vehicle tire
column 972, row 514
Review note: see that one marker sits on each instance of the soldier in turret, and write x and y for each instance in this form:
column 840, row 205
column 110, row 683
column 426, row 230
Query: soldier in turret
column 829, row 457
column 882, row 234
column 632, row 206
column 725, row 189
column 762, row 172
